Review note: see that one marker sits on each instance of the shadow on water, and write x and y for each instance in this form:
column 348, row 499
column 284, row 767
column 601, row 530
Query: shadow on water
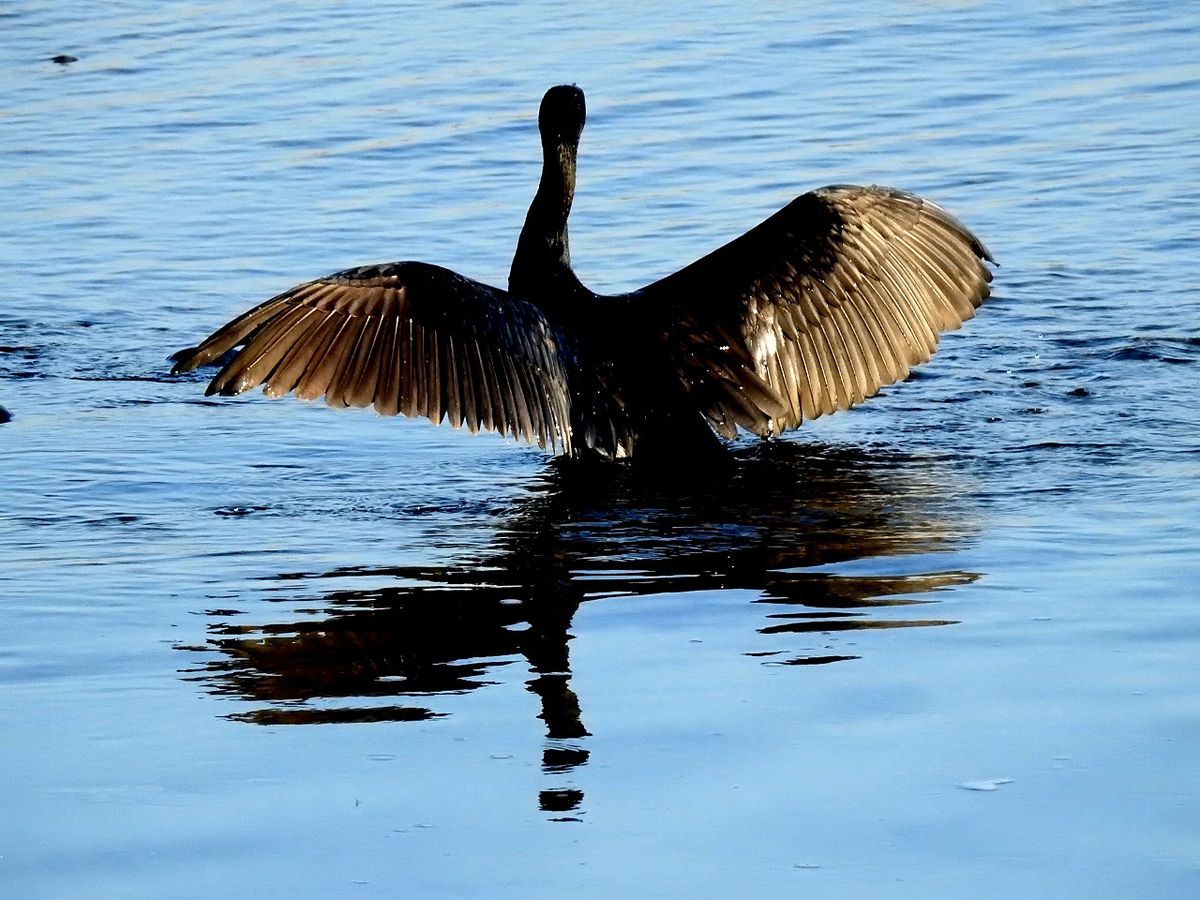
column 778, row 524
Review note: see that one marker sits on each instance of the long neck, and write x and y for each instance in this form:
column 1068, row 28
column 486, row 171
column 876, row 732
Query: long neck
column 541, row 268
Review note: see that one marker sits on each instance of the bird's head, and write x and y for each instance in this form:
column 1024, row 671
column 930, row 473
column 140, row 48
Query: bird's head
column 562, row 114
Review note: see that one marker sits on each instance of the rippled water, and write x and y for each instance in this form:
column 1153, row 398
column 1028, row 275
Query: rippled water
column 270, row 645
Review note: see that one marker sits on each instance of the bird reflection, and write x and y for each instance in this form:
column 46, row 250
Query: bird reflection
column 381, row 644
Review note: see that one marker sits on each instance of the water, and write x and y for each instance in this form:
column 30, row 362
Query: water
column 268, row 645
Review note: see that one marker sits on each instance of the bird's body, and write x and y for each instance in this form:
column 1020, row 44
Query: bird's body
column 813, row 310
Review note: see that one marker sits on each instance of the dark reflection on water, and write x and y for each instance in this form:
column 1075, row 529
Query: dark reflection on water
column 776, row 524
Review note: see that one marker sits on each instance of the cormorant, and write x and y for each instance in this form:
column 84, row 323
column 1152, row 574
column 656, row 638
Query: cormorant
column 814, row 310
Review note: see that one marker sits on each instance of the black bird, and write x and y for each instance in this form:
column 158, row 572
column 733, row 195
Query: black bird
column 815, row 309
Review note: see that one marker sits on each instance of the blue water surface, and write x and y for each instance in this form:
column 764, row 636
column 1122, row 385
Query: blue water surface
column 944, row 645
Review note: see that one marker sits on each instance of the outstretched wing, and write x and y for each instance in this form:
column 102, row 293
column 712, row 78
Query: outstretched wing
column 409, row 338
column 838, row 294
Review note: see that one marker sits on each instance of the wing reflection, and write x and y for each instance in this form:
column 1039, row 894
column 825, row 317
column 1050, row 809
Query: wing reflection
column 817, row 535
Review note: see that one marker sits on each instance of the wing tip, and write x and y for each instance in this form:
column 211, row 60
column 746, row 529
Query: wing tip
column 186, row 360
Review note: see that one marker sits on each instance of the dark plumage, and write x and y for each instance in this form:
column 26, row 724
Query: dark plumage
column 836, row 295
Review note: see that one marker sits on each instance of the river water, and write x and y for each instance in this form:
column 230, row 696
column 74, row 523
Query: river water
column 944, row 645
